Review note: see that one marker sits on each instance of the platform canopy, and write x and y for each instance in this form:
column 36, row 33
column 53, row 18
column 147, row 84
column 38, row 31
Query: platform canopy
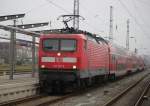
column 5, row 27
column 11, row 17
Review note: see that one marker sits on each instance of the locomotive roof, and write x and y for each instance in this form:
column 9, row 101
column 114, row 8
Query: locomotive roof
column 72, row 31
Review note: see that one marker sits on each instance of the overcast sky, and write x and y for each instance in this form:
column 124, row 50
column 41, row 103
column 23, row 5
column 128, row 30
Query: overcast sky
column 96, row 14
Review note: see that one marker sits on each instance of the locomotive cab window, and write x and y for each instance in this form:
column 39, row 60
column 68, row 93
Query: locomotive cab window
column 59, row 45
column 68, row 45
column 51, row 44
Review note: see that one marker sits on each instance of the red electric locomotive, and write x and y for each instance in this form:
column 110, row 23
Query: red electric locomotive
column 75, row 58
column 72, row 59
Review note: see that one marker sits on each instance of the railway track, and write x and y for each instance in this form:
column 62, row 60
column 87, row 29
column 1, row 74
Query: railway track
column 44, row 100
column 144, row 96
column 20, row 101
column 120, row 99
column 37, row 100
column 57, row 99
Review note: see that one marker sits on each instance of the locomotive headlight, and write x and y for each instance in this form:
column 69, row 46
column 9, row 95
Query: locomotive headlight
column 42, row 66
column 58, row 54
column 74, row 67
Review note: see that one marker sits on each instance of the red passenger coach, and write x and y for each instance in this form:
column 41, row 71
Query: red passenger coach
column 123, row 61
column 118, row 60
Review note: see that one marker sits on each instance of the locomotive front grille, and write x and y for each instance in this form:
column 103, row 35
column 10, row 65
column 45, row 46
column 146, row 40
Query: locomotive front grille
column 52, row 74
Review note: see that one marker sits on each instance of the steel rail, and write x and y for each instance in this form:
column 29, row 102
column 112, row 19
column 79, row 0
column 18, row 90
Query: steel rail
column 140, row 100
column 34, row 99
column 56, row 100
column 60, row 98
column 21, row 100
column 117, row 97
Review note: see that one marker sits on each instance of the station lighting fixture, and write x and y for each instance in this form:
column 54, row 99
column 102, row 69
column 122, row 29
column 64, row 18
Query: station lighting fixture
column 11, row 17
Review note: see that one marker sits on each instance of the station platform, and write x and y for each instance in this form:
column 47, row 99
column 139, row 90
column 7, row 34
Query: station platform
column 6, row 82
column 17, row 88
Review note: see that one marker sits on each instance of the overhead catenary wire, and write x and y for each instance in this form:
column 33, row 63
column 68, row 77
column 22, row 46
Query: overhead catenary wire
column 144, row 2
column 68, row 12
column 92, row 16
column 58, row 6
column 89, row 11
column 36, row 8
column 41, row 5
column 139, row 15
column 136, row 21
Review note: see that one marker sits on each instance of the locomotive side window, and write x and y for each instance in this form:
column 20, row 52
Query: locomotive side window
column 51, row 45
column 68, row 45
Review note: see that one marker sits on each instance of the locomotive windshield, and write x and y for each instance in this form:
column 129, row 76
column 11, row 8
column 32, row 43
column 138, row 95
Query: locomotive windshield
column 68, row 45
column 51, row 45
column 59, row 45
